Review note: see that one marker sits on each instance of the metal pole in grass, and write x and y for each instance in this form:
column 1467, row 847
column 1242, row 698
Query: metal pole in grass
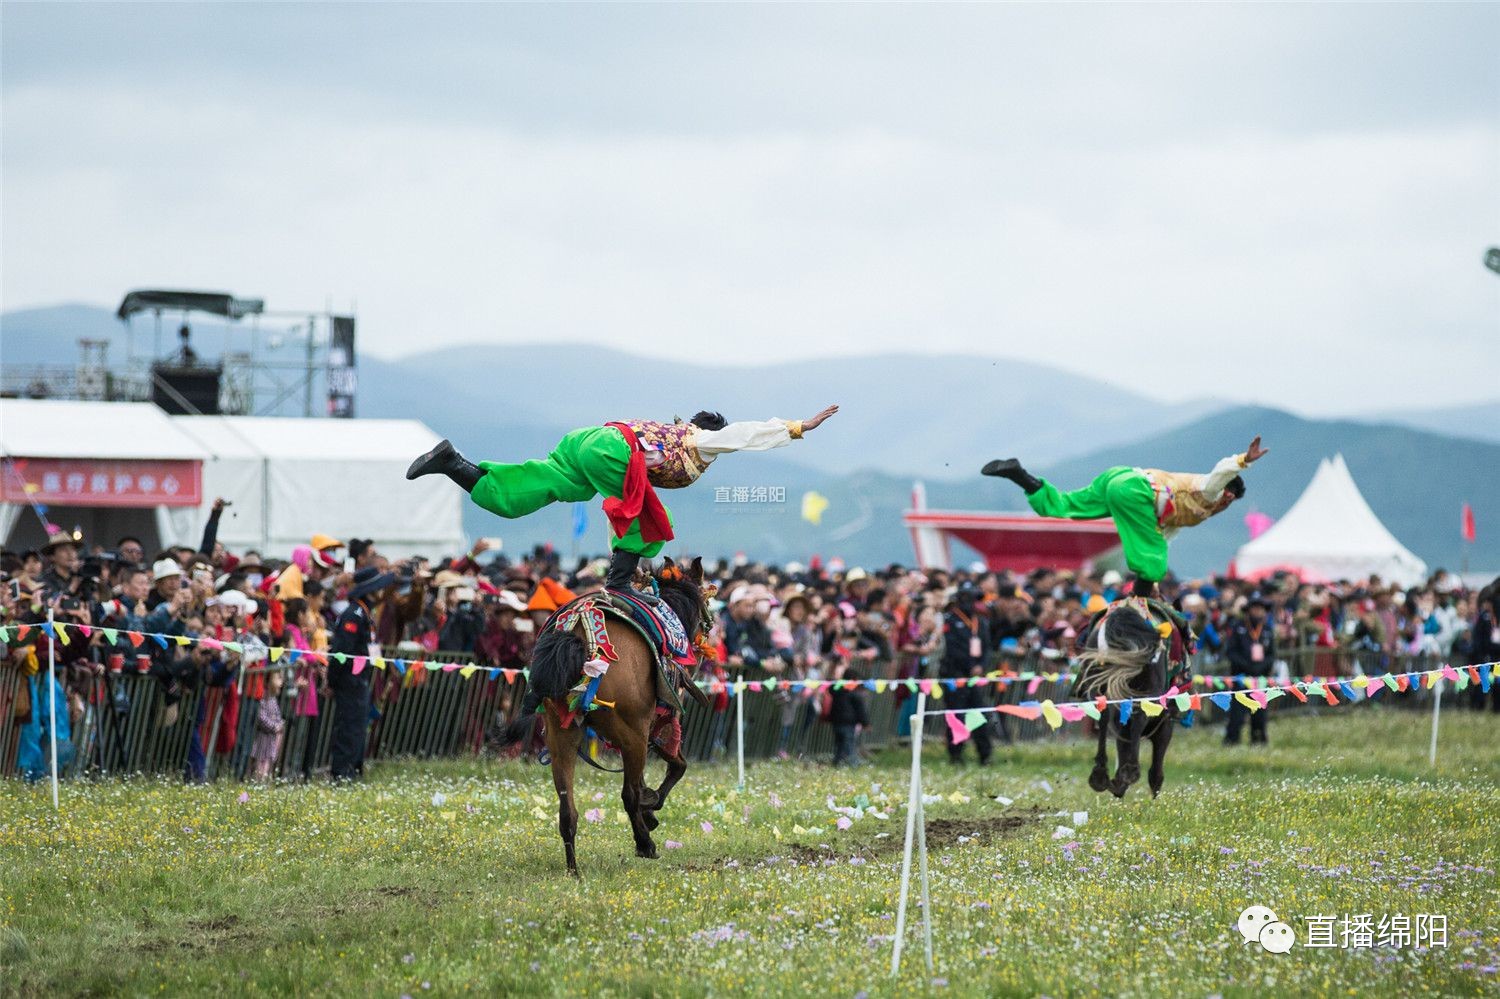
column 52, row 698
column 739, row 725
column 913, row 807
column 1437, row 704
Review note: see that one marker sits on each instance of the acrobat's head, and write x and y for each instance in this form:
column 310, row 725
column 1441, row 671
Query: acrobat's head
column 705, row 420
column 1233, row 491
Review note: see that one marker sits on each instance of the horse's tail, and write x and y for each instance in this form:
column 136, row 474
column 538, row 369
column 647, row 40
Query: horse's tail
column 556, row 667
column 556, row 663
column 1130, row 644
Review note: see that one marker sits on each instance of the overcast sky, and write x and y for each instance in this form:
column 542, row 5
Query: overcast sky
column 1286, row 204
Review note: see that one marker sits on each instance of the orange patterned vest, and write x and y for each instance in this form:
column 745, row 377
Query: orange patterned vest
column 681, row 465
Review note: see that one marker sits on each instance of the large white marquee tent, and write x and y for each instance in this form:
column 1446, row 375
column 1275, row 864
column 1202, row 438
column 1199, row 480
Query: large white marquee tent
column 287, row 478
column 1332, row 533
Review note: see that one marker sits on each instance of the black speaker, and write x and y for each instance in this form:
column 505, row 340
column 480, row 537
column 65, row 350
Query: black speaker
column 185, row 391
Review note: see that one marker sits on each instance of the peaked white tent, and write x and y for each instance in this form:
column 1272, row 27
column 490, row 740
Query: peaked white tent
column 1332, row 532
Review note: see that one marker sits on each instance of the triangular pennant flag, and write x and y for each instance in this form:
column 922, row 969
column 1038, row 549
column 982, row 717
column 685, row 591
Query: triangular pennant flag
column 87, row 631
column 1348, row 690
column 110, row 635
column 135, row 637
column 359, row 665
column 1126, row 707
column 184, row 640
column 340, row 658
column 1027, row 711
column 494, row 671
column 22, row 630
column 1245, row 700
column 1221, row 700
column 974, row 719
column 234, row 647
column 1091, row 711
column 1259, row 697
column 275, row 653
column 1296, row 692
column 4, row 634
column 1151, row 708
column 1184, row 702
column 1071, row 712
column 468, row 671
column 957, row 731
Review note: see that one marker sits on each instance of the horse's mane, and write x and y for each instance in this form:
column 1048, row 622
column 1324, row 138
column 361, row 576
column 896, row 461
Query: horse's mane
column 685, row 598
column 1131, row 645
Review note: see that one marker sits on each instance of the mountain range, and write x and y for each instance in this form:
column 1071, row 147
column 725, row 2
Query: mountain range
column 937, row 418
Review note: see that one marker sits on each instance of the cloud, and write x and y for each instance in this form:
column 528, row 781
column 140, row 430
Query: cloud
column 1310, row 260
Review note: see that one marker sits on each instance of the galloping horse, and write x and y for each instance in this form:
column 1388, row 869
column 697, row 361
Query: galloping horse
column 621, row 713
column 1134, row 649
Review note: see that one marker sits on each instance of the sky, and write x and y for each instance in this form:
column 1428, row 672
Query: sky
column 1285, row 204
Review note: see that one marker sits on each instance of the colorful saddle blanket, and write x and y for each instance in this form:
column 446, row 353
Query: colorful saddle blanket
column 657, row 625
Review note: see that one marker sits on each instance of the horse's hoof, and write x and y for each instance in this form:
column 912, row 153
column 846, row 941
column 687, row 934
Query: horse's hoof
column 1099, row 779
column 1118, row 790
column 646, row 854
column 573, row 872
column 651, row 820
column 649, row 798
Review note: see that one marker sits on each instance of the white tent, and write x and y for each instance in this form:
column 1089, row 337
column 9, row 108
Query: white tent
column 87, row 439
column 286, row 478
column 291, row 478
column 1332, row 532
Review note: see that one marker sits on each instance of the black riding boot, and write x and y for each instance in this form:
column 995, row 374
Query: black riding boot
column 446, row 460
column 1010, row 468
column 621, row 570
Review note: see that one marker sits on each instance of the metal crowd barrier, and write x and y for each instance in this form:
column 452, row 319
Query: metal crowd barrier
column 126, row 728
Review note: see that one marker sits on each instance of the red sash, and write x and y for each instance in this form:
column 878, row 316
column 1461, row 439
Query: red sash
column 637, row 498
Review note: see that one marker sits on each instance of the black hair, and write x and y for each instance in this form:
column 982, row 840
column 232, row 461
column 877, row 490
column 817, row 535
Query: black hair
column 1235, row 487
column 130, row 537
column 709, row 421
column 358, row 546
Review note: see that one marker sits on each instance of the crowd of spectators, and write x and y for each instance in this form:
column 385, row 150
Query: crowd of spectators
column 820, row 620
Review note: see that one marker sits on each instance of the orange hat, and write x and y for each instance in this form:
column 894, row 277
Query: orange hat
column 550, row 595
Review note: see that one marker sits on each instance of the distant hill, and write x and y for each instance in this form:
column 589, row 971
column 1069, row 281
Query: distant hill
column 905, row 417
column 1415, row 481
column 1480, row 421
column 926, row 414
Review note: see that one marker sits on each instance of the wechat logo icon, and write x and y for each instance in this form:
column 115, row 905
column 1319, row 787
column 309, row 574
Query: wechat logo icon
column 1258, row 924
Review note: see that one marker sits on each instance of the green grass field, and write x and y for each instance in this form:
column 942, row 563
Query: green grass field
column 444, row 877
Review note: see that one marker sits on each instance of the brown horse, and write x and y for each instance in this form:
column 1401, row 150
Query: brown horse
column 623, row 712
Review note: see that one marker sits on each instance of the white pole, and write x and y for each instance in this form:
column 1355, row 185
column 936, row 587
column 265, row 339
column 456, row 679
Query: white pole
column 926, row 898
column 52, row 699
column 1437, row 704
column 913, row 804
column 739, row 726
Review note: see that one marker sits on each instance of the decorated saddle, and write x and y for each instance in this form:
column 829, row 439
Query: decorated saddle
column 663, row 633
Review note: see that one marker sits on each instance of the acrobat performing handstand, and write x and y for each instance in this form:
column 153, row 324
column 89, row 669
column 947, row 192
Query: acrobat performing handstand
column 1148, row 505
column 626, row 462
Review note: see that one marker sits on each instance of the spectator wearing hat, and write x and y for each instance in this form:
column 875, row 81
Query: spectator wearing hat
column 966, row 642
column 1250, row 648
column 61, row 575
column 353, row 635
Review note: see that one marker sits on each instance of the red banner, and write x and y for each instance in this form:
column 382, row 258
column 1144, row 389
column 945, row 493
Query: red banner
column 97, row 482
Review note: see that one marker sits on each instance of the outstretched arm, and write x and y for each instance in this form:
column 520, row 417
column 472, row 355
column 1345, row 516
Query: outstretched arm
column 757, row 435
column 1215, row 481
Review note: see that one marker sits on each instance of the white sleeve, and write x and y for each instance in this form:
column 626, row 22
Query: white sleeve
column 1215, row 481
column 751, row 435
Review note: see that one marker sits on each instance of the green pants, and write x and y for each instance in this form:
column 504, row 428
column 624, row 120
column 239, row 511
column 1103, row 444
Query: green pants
column 1124, row 494
column 586, row 463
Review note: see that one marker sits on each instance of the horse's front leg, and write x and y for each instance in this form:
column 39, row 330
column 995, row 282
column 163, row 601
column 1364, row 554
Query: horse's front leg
column 676, row 767
column 1128, row 751
column 1099, row 776
column 1160, row 740
column 633, row 755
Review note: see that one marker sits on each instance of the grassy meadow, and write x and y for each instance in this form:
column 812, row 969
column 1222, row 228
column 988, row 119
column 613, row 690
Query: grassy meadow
column 446, row 877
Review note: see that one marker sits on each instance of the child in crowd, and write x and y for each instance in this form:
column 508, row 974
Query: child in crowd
column 268, row 727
